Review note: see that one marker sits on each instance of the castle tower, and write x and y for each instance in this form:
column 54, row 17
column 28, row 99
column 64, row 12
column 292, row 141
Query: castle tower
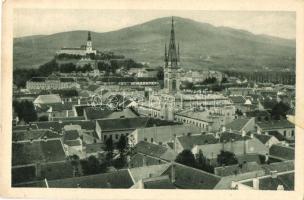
column 89, row 47
column 171, row 68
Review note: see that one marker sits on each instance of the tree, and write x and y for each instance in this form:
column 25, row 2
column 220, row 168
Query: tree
column 25, row 111
column 202, row 163
column 74, row 159
column 67, row 68
column 226, row 158
column 279, row 111
column 122, row 144
column 238, row 112
column 186, row 157
column 109, row 145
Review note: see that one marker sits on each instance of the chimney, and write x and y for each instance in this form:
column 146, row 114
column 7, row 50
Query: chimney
column 243, row 133
column 266, row 158
column 172, row 173
column 78, row 101
column 67, row 113
column 144, row 161
column 259, row 131
column 62, row 102
column 266, row 133
column 223, row 128
column 251, row 135
column 256, row 183
column 274, row 174
column 280, row 187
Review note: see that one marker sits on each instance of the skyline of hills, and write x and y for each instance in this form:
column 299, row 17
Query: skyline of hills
column 202, row 46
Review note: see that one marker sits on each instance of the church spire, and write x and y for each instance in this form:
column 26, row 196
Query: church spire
column 172, row 52
column 89, row 36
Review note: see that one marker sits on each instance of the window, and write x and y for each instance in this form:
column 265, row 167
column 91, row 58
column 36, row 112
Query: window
column 105, row 137
column 284, row 133
column 145, row 139
column 151, row 140
column 292, row 133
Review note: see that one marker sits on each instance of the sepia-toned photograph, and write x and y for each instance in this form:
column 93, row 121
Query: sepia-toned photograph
column 153, row 99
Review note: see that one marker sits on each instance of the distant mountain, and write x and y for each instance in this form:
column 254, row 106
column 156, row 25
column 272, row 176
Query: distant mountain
column 202, row 46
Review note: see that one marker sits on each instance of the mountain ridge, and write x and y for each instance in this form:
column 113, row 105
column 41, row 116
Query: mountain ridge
column 145, row 43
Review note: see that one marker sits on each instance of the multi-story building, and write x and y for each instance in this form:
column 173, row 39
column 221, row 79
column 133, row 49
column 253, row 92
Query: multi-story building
column 51, row 83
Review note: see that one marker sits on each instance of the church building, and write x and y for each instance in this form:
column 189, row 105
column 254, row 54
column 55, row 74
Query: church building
column 83, row 50
column 206, row 111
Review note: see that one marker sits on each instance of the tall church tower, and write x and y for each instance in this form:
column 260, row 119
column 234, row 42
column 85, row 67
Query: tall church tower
column 89, row 47
column 171, row 68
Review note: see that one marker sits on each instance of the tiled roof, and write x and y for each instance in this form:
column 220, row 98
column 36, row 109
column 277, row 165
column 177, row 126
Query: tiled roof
column 150, row 149
column 131, row 123
column 189, row 141
column 32, row 152
column 229, row 136
column 24, row 127
column 237, row 99
column 160, row 182
column 71, row 135
column 270, row 183
column 190, row 178
column 275, row 124
column 237, row 124
column 276, row 134
column 34, row 135
column 258, row 113
column 237, row 169
column 72, row 143
column 147, row 171
column 117, row 179
column 279, row 166
column 263, row 138
column 140, row 160
column 281, row 151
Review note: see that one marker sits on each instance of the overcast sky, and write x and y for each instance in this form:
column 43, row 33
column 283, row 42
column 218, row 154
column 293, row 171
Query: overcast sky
column 46, row 21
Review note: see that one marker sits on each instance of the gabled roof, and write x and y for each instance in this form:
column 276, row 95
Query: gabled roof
column 96, row 113
column 48, row 99
column 237, row 124
column 280, row 151
column 117, row 179
column 189, row 141
column 58, row 126
column 263, row 138
column 191, row 178
column 276, row 134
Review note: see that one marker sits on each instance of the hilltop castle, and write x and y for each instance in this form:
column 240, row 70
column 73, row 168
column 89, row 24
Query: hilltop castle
column 83, row 50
